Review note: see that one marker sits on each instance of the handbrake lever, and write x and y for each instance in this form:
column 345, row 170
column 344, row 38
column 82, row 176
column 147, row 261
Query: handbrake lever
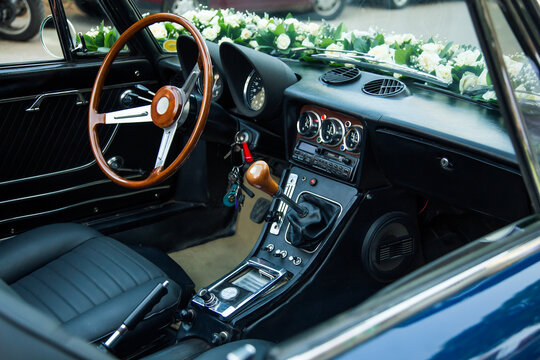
column 136, row 315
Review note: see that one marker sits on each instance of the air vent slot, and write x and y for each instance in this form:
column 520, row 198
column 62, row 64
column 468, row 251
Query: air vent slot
column 340, row 76
column 384, row 87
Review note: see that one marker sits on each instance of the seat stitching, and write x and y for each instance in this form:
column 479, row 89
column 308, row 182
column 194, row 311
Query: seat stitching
column 18, row 284
column 73, row 284
column 89, row 278
column 56, row 292
column 130, row 257
column 103, row 270
column 114, row 262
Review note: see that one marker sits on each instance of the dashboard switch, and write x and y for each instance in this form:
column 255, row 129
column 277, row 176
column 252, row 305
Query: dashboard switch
column 313, row 182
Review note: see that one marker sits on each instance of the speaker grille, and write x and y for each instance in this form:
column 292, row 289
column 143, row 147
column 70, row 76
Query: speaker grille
column 399, row 248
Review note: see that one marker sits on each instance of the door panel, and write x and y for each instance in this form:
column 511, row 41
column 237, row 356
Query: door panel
column 47, row 170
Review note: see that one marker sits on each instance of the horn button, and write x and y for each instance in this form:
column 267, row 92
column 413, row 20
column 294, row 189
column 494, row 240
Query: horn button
column 166, row 106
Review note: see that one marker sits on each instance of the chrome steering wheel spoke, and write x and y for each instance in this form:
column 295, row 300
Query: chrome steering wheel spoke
column 166, row 141
column 129, row 116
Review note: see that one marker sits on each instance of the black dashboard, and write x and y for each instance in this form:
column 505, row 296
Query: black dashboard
column 420, row 138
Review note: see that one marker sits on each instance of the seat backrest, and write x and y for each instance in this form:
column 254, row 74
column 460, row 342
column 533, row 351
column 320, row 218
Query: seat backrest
column 26, row 333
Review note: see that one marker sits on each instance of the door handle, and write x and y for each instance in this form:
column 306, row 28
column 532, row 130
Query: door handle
column 81, row 101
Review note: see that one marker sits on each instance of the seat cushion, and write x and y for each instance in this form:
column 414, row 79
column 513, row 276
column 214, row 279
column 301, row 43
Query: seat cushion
column 87, row 282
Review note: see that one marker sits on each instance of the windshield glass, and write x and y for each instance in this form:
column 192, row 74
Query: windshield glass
column 432, row 41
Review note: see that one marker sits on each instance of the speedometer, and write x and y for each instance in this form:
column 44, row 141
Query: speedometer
column 254, row 94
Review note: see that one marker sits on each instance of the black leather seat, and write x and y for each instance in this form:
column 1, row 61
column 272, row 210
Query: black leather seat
column 86, row 282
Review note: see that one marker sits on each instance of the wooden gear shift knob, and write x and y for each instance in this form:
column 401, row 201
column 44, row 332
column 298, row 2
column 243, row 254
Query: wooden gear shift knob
column 258, row 175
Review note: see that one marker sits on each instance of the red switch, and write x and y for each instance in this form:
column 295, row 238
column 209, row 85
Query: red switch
column 313, row 182
column 247, row 154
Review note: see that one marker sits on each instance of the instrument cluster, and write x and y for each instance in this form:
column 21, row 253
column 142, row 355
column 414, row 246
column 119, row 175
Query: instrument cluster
column 331, row 130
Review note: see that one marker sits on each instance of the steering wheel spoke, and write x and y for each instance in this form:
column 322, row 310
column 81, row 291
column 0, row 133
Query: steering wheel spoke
column 191, row 80
column 169, row 108
column 129, row 116
column 166, row 141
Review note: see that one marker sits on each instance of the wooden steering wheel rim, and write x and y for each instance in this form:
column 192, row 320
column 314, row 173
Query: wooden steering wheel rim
column 158, row 174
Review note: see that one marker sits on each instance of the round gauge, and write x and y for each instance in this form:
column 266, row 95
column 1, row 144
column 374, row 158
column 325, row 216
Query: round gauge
column 254, row 95
column 353, row 139
column 308, row 124
column 228, row 293
column 332, row 131
column 217, row 86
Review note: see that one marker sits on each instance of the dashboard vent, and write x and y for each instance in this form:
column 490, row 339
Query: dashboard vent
column 384, row 87
column 340, row 76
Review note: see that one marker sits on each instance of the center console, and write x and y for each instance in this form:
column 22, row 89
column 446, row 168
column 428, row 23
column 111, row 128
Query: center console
column 325, row 162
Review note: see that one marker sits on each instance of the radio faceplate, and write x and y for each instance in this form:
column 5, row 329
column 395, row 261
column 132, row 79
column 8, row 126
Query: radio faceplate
column 330, row 162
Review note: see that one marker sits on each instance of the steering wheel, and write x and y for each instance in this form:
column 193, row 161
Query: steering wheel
column 169, row 108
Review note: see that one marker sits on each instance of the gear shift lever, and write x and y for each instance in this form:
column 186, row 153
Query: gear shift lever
column 258, row 175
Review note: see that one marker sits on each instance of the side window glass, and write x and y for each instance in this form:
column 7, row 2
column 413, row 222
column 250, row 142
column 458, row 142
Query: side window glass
column 20, row 41
column 88, row 19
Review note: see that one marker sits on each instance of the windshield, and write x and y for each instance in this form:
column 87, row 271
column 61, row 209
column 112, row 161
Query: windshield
column 404, row 37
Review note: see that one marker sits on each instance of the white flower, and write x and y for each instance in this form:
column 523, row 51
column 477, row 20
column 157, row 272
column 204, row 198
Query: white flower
column 205, row 16
column 313, row 29
column 382, row 52
column 272, row 26
column 444, row 72
column 263, row 23
column 482, row 79
column 467, row 80
column 489, row 95
column 233, row 20
column 158, row 30
column 307, row 43
column 211, row 33
column 246, row 34
column 432, row 47
column 254, row 44
column 428, row 61
column 334, row 46
column 300, row 37
column 468, row 57
column 93, row 32
column 189, row 14
column 283, row 41
column 399, row 39
column 514, row 67
column 177, row 26
column 290, row 21
column 224, row 39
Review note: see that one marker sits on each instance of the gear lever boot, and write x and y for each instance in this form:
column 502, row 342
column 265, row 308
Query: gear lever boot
column 307, row 232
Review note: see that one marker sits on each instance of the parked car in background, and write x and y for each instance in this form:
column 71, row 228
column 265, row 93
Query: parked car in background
column 327, row 9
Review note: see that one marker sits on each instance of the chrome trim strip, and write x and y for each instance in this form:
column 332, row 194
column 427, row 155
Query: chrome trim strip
column 80, row 99
column 65, row 171
column 409, row 307
column 82, row 203
column 80, row 91
column 283, row 207
column 61, row 191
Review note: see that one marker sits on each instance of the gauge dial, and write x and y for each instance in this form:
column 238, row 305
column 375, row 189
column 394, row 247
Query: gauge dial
column 308, row 124
column 332, row 131
column 254, row 93
column 217, row 86
column 353, row 139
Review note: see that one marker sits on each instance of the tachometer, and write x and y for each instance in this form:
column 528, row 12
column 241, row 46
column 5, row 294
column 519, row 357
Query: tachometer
column 254, row 94
column 332, row 131
column 308, row 124
column 353, row 139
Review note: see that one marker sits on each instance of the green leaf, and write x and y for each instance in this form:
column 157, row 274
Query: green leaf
column 445, row 52
column 379, row 40
column 289, row 15
column 100, row 39
column 170, row 29
column 280, row 29
column 401, row 56
column 327, row 42
column 339, row 31
column 361, row 44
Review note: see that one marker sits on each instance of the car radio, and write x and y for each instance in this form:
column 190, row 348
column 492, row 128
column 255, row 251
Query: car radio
column 326, row 160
